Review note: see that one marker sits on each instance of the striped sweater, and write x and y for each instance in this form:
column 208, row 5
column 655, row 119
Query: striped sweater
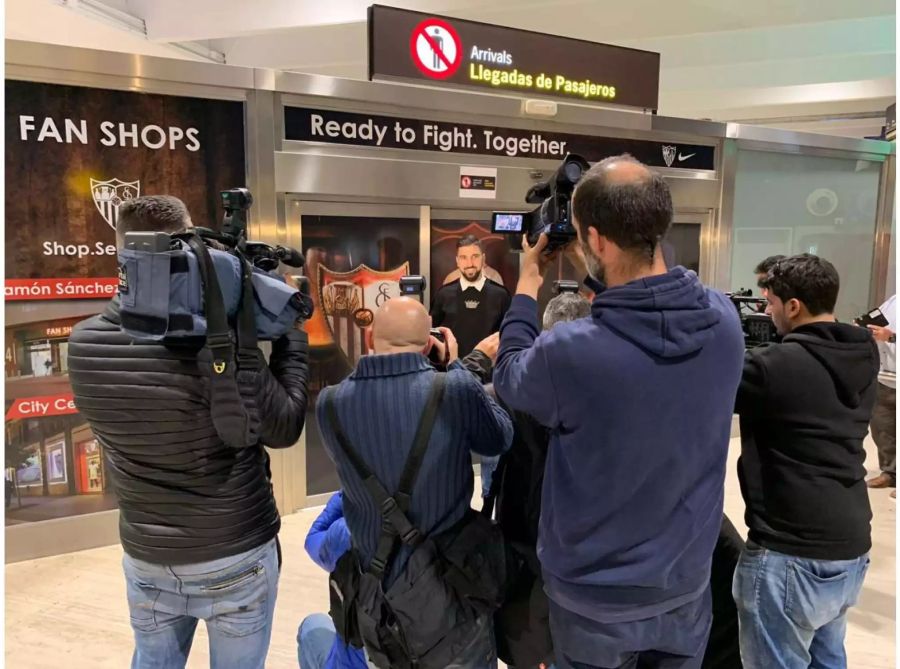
column 379, row 406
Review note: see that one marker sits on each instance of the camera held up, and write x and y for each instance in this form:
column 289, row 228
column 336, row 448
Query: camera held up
column 553, row 216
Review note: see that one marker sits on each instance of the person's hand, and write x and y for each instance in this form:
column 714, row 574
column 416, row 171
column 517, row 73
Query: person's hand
column 575, row 255
column 489, row 346
column 534, row 263
column 452, row 347
column 436, row 346
column 880, row 333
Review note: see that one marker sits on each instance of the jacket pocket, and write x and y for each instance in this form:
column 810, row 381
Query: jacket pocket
column 813, row 600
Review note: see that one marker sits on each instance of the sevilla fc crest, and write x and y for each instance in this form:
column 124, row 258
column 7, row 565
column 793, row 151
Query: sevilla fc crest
column 108, row 195
column 350, row 299
column 669, row 154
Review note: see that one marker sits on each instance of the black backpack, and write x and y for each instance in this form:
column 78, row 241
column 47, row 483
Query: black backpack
column 438, row 611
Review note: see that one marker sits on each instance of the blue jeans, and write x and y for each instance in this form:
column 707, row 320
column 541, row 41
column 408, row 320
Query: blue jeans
column 793, row 611
column 319, row 647
column 234, row 595
column 315, row 638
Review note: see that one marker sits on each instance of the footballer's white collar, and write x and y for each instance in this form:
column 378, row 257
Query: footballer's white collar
column 478, row 285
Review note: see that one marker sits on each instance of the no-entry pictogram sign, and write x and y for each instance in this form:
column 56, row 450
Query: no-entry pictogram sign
column 435, row 48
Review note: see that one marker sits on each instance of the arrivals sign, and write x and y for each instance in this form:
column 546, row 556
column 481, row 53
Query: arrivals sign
column 405, row 45
column 393, row 132
column 74, row 155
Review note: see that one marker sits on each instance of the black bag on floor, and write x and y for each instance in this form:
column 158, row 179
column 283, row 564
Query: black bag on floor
column 437, row 613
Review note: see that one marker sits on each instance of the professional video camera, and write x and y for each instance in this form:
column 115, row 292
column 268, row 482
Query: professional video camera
column 553, row 216
column 757, row 325
column 236, row 202
column 181, row 286
column 166, row 282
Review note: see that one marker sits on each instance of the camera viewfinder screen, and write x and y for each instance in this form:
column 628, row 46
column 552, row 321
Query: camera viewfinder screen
column 508, row 222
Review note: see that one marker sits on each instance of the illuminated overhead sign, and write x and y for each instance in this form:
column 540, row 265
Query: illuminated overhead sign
column 406, row 45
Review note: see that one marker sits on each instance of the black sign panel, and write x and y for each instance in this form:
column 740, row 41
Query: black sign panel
column 446, row 51
column 391, row 132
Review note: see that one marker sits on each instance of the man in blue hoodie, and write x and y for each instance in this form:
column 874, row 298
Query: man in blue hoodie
column 639, row 400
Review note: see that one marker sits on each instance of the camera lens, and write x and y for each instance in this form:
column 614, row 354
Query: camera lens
column 572, row 172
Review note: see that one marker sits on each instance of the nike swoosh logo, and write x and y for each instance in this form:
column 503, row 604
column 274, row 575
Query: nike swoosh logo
column 683, row 158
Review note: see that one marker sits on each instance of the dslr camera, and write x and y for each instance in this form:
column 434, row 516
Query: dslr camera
column 413, row 285
column 553, row 216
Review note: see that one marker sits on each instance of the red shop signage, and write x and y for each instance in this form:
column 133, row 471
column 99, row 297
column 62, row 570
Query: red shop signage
column 39, row 407
column 61, row 289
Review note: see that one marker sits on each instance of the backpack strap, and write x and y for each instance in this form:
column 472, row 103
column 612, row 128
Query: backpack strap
column 394, row 521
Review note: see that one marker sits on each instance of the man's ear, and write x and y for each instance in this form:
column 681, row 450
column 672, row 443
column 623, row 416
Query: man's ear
column 596, row 241
column 792, row 308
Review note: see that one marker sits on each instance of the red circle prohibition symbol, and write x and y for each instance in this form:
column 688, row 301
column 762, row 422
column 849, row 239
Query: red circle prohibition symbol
column 466, row 182
column 452, row 66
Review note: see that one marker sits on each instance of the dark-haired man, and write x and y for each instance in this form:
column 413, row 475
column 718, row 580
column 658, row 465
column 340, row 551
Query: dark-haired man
column 762, row 271
column 473, row 306
column 638, row 399
column 805, row 406
column 198, row 520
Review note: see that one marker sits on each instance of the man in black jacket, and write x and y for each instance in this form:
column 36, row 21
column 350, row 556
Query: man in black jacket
column 198, row 520
column 805, row 406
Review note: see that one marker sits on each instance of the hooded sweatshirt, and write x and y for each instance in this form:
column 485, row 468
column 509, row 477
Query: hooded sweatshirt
column 639, row 398
column 805, row 406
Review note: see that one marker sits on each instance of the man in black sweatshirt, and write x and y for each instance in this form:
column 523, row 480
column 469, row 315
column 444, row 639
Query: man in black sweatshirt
column 805, row 406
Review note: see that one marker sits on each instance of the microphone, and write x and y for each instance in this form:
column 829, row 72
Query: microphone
column 289, row 256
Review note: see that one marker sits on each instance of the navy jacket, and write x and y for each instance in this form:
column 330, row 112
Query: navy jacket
column 379, row 406
column 639, row 399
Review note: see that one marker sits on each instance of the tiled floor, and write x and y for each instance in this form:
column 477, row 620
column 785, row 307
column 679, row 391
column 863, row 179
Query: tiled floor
column 70, row 611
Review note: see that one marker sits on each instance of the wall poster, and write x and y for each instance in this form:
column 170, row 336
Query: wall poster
column 354, row 264
column 73, row 155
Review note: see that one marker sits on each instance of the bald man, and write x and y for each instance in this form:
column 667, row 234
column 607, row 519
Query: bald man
column 638, row 399
column 379, row 407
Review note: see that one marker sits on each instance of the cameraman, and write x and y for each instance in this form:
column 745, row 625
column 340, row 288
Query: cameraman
column 198, row 520
column 639, row 401
column 805, row 406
